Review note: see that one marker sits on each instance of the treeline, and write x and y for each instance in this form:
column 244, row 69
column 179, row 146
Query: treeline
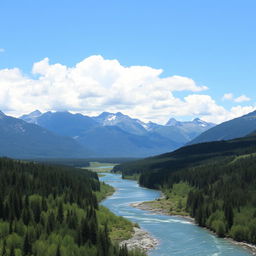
column 224, row 197
column 76, row 162
column 222, row 178
column 51, row 211
column 187, row 156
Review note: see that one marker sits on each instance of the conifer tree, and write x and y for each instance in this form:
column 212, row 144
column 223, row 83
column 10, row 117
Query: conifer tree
column 4, row 253
column 27, row 249
column 60, row 215
column 12, row 252
column 58, row 253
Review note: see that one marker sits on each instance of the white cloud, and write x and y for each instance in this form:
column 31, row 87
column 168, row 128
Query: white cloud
column 242, row 98
column 96, row 84
column 2, row 50
column 228, row 96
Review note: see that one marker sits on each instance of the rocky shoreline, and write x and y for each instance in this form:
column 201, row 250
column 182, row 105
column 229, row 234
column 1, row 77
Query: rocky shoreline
column 141, row 239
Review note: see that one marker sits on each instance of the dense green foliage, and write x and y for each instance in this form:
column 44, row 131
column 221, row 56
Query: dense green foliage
column 119, row 228
column 222, row 176
column 105, row 190
column 51, row 210
column 155, row 170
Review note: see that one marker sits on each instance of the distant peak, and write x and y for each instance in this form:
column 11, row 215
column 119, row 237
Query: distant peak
column 36, row 112
column 2, row 114
column 119, row 114
column 198, row 120
column 172, row 121
column 103, row 114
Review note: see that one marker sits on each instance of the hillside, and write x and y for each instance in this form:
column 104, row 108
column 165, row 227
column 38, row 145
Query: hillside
column 118, row 135
column 20, row 139
column 53, row 210
column 219, row 182
column 234, row 128
column 191, row 155
column 112, row 141
column 62, row 123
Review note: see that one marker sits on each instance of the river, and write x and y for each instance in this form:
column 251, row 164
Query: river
column 177, row 236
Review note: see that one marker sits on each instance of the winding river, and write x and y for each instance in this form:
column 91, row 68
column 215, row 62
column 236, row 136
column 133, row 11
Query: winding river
column 177, row 236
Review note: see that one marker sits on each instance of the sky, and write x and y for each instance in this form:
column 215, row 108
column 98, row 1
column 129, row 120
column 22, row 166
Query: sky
column 152, row 60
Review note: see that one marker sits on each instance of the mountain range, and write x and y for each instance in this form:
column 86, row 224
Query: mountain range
column 20, row 139
column 235, row 128
column 63, row 134
column 118, row 135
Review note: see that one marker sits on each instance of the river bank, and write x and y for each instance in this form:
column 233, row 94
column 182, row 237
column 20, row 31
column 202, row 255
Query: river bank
column 141, row 239
column 150, row 206
column 177, row 236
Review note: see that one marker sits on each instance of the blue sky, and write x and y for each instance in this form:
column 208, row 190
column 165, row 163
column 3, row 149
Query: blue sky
column 211, row 42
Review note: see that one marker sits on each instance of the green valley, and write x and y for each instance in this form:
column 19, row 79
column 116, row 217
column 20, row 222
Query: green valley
column 214, row 182
column 53, row 210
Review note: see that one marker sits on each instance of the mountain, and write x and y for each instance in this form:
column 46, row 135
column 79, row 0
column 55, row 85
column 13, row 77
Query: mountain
column 181, row 132
column 118, row 135
column 112, row 141
column 62, row 123
column 234, row 128
column 20, row 139
column 32, row 117
column 122, row 121
column 252, row 134
column 178, row 131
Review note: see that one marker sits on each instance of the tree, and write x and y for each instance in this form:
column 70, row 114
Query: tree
column 12, row 252
column 229, row 215
column 27, row 248
column 58, row 253
column 4, row 248
column 60, row 215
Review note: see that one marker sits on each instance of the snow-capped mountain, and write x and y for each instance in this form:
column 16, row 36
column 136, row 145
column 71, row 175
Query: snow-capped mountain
column 126, row 123
column 231, row 129
column 63, row 123
column 197, row 122
column 108, row 134
column 31, row 117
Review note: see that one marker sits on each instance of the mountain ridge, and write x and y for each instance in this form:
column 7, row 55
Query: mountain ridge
column 235, row 128
column 20, row 139
column 136, row 138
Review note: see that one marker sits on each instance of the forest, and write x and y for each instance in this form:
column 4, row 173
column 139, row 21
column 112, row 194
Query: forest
column 222, row 181
column 51, row 210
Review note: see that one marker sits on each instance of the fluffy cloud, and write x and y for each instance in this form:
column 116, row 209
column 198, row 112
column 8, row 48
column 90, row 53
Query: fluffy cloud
column 96, row 84
column 228, row 96
column 240, row 99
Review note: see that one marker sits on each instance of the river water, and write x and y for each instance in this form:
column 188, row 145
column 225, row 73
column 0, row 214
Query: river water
column 177, row 236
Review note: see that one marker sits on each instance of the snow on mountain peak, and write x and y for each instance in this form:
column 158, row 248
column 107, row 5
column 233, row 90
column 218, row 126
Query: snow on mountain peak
column 172, row 122
column 111, row 118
